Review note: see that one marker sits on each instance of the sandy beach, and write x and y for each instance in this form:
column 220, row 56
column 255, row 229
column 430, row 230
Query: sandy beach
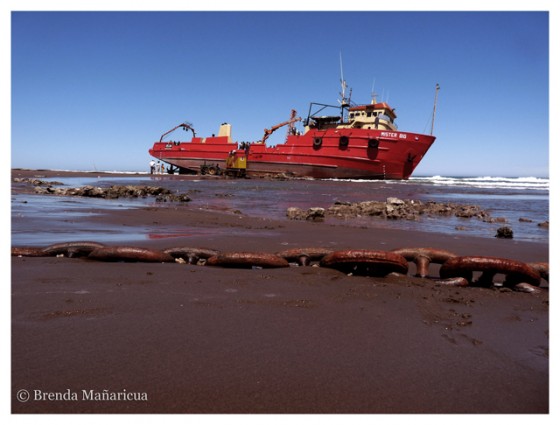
column 179, row 338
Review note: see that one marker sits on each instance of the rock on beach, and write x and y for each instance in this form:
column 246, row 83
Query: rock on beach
column 504, row 232
column 391, row 209
column 114, row 192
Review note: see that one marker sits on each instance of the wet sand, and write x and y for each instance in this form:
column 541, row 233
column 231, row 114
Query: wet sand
column 195, row 339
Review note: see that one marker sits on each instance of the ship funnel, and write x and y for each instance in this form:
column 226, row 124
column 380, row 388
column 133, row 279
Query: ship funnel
column 225, row 130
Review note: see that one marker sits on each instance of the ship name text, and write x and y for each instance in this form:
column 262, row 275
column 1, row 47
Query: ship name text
column 393, row 135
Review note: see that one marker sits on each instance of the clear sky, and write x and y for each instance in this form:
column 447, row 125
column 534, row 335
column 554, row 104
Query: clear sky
column 94, row 90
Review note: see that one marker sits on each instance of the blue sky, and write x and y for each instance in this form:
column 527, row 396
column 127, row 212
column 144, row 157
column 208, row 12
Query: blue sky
column 94, row 90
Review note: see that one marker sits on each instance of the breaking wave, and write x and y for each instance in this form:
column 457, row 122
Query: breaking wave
column 522, row 183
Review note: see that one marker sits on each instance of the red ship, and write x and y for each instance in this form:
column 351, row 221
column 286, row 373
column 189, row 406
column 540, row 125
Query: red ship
column 359, row 142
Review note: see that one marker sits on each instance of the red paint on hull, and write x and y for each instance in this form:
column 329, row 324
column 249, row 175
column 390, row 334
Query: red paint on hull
column 368, row 154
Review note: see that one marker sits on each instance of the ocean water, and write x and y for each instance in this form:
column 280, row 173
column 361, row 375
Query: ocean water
column 521, row 183
column 38, row 219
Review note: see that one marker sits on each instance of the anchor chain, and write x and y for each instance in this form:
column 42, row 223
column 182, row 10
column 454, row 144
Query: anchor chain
column 454, row 270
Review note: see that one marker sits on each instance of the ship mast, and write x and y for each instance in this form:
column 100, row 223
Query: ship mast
column 373, row 94
column 434, row 112
column 344, row 101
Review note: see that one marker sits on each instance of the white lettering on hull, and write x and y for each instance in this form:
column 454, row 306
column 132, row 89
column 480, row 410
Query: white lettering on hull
column 394, row 135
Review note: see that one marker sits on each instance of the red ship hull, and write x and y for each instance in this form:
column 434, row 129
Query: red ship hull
column 348, row 153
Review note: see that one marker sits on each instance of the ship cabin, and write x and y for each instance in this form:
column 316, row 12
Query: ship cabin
column 375, row 115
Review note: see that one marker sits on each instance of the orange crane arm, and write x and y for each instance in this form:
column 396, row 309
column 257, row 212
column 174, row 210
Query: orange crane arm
column 292, row 120
column 186, row 126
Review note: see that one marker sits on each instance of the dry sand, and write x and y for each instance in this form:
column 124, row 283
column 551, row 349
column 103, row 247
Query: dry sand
column 198, row 339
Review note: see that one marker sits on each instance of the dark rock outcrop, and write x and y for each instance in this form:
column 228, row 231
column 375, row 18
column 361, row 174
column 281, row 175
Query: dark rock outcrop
column 393, row 209
column 36, row 182
column 312, row 214
column 504, row 233
column 114, row 192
